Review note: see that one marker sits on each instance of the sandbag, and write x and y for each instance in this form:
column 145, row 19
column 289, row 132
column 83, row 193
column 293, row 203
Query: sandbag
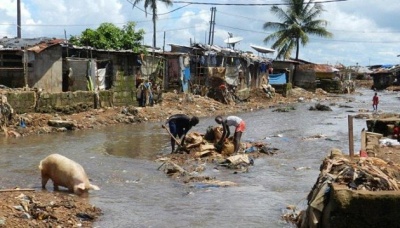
column 228, row 148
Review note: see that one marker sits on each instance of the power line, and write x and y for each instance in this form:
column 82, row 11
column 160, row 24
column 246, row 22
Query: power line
column 326, row 40
column 235, row 15
column 90, row 25
column 133, row 5
column 249, row 4
column 338, row 30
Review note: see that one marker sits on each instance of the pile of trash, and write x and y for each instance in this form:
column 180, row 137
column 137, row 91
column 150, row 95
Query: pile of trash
column 201, row 152
column 28, row 208
column 357, row 173
column 6, row 111
column 269, row 90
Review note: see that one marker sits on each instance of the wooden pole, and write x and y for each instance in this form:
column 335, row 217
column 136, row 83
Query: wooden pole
column 25, row 64
column 351, row 136
column 363, row 140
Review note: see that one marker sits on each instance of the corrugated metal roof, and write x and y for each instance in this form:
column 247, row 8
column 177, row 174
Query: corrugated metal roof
column 32, row 44
column 43, row 45
column 318, row 68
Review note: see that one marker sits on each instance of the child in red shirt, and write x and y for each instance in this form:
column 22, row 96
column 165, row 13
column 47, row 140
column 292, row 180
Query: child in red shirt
column 375, row 102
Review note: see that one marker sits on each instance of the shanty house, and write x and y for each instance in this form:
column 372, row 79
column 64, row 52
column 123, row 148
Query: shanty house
column 322, row 76
column 33, row 63
column 382, row 76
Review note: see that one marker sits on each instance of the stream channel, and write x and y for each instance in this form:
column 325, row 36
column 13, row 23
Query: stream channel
column 134, row 193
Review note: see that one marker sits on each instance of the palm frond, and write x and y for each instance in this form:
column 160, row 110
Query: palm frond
column 297, row 21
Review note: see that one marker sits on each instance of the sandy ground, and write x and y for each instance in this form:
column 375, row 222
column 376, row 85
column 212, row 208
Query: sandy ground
column 58, row 209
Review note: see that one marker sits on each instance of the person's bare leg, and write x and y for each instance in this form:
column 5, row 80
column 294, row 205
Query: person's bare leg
column 236, row 141
column 172, row 145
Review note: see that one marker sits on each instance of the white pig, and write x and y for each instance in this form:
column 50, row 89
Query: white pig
column 65, row 172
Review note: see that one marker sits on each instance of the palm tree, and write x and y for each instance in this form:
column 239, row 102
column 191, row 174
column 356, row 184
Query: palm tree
column 153, row 5
column 298, row 21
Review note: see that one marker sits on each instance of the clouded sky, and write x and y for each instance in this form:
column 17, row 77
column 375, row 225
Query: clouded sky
column 366, row 32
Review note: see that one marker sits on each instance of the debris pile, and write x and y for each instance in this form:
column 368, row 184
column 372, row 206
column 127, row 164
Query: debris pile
column 201, row 152
column 320, row 107
column 37, row 209
column 358, row 173
column 6, row 111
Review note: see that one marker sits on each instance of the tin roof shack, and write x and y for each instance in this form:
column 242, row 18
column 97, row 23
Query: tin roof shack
column 321, row 76
column 238, row 70
column 179, row 68
column 90, row 69
column 396, row 72
column 119, row 70
column 361, row 72
column 281, row 66
column 285, row 67
column 210, row 67
column 34, row 63
column 382, row 77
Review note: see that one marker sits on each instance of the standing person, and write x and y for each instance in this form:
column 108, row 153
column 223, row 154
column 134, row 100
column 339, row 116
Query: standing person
column 239, row 125
column 396, row 131
column 375, row 102
column 149, row 93
column 179, row 125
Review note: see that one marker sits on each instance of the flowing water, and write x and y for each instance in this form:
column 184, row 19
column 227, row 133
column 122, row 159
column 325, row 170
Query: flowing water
column 134, row 193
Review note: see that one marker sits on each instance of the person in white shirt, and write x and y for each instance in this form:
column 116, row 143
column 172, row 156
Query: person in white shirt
column 239, row 125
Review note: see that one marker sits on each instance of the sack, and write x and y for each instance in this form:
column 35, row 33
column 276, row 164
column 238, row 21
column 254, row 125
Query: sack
column 228, row 148
column 218, row 133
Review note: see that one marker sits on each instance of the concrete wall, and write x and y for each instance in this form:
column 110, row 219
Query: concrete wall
column 124, row 90
column 284, row 89
column 68, row 102
column 348, row 208
column 46, row 72
column 22, row 101
column 331, row 86
column 306, row 79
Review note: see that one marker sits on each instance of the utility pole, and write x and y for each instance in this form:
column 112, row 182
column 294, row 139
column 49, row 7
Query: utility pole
column 212, row 26
column 18, row 18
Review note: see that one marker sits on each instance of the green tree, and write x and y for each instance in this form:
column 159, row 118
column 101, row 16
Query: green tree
column 297, row 22
column 153, row 5
column 109, row 36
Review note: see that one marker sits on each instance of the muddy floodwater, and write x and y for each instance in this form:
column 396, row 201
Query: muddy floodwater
column 121, row 161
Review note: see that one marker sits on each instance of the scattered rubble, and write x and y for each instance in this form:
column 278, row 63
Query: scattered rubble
column 29, row 208
column 320, row 107
column 200, row 154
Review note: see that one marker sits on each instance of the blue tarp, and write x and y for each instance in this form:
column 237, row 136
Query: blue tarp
column 277, row 79
column 186, row 79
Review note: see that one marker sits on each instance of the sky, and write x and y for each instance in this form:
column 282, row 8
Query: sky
column 365, row 32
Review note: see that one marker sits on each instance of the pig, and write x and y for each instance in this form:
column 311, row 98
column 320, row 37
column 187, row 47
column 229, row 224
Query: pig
column 65, row 172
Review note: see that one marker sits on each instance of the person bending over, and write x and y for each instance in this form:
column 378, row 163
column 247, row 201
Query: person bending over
column 239, row 125
column 179, row 125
